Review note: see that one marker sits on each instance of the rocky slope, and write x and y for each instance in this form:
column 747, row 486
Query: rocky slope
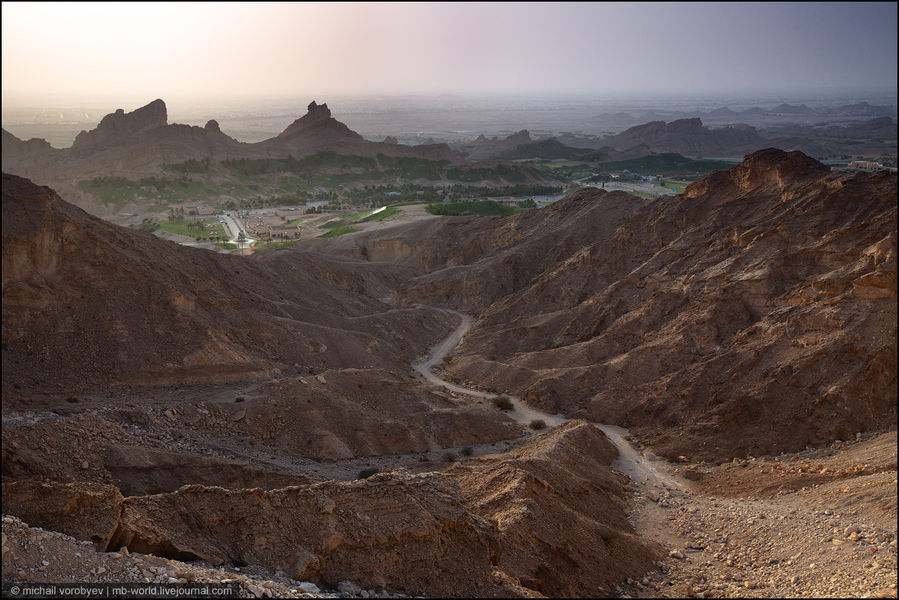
column 463, row 532
column 86, row 304
column 755, row 313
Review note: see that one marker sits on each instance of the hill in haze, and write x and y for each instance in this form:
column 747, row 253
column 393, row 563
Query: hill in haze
column 134, row 160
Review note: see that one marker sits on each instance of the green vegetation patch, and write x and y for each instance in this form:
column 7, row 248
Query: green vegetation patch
column 411, row 167
column 188, row 166
column 303, row 167
column 334, row 224
column 116, row 190
column 485, row 208
column 500, row 172
column 199, row 229
column 566, row 164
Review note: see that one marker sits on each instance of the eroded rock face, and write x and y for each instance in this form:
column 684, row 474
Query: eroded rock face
column 546, row 518
column 558, row 510
column 137, row 471
column 120, row 125
column 84, row 510
column 399, row 531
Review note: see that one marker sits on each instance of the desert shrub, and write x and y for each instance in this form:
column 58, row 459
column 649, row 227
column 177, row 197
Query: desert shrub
column 72, row 399
column 467, row 451
column 366, row 473
column 538, row 424
column 239, row 399
column 450, row 457
column 503, row 403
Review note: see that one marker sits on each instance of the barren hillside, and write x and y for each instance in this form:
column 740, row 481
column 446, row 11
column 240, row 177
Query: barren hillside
column 755, row 313
column 174, row 415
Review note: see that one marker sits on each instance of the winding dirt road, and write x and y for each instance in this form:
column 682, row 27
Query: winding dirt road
column 642, row 471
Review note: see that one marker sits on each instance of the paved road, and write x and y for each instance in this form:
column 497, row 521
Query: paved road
column 234, row 227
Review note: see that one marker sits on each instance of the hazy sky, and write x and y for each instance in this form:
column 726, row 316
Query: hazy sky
column 160, row 50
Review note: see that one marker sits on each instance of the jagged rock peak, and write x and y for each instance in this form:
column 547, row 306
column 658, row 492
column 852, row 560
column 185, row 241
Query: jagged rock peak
column 212, row 125
column 770, row 166
column 121, row 124
column 520, row 137
column 390, row 140
column 318, row 111
column 789, row 163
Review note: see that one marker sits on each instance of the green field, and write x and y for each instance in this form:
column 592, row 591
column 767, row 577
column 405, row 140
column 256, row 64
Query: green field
column 568, row 163
column 189, row 228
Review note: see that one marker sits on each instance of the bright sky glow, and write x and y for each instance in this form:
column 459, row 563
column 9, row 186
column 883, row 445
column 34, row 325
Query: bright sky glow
column 165, row 50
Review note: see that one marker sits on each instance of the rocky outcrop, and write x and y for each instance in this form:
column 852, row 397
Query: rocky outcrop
column 403, row 532
column 86, row 511
column 560, row 478
column 119, row 126
column 14, row 148
column 688, row 137
column 317, row 128
column 547, row 518
column 484, row 148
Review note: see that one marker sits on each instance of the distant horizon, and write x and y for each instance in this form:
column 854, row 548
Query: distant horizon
column 13, row 99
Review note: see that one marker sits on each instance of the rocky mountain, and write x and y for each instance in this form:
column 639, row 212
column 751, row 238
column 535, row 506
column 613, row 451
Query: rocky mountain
column 790, row 109
column 140, row 142
column 118, row 126
column 484, row 148
column 318, row 127
column 756, row 313
column 689, row 137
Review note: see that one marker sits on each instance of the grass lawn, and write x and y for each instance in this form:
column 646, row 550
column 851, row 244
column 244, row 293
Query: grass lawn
column 181, row 228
